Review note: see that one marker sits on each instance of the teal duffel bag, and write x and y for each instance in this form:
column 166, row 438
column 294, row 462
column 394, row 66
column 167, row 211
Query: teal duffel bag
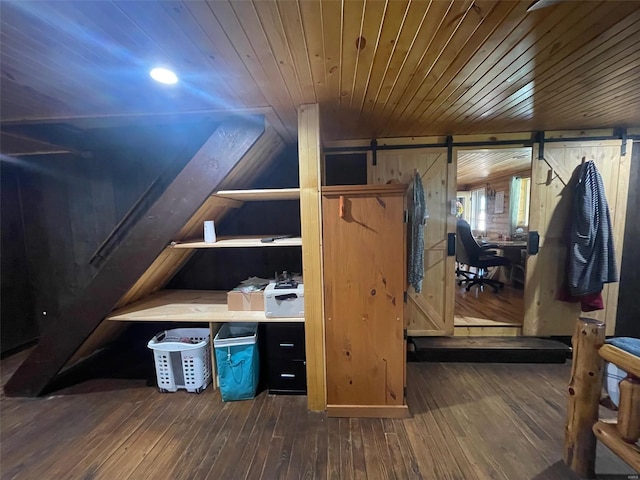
column 237, row 360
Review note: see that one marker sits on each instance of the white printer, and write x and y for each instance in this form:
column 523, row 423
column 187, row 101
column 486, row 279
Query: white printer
column 284, row 298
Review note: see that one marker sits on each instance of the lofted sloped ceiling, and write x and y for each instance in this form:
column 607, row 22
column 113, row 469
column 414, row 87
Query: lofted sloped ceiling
column 377, row 68
column 474, row 166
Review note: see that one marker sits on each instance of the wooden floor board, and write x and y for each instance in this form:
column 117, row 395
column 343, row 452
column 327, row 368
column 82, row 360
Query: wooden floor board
column 294, row 455
column 270, row 467
column 357, row 449
column 470, row 421
column 376, row 453
column 265, row 435
column 207, row 440
column 296, row 409
column 321, row 469
column 346, row 448
column 148, row 434
column 333, row 449
column 478, row 307
column 396, row 462
column 224, row 464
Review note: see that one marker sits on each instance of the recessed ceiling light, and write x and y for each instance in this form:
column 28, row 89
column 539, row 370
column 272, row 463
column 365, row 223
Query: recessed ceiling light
column 163, row 75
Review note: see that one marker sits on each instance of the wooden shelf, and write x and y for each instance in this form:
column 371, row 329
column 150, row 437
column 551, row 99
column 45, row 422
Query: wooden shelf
column 188, row 306
column 260, row 195
column 241, row 242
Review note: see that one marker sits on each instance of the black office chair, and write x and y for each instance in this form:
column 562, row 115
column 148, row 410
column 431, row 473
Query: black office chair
column 468, row 252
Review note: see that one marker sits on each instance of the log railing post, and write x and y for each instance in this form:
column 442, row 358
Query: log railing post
column 584, row 389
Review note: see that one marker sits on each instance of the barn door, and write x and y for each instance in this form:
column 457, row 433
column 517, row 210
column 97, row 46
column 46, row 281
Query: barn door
column 549, row 214
column 429, row 312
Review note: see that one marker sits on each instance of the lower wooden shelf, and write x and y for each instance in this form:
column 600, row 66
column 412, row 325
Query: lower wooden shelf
column 208, row 306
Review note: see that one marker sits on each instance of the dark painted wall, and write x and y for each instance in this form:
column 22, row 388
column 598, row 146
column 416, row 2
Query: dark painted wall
column 223, row 269
column 628, row 316
column 70, row 204
column 17, row 317
column 345, row 169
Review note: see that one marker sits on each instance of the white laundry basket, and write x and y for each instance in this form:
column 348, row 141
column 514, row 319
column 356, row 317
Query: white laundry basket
column 180, row 364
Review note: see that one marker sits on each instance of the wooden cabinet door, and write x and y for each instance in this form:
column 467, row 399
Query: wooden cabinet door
column 551, row 203
column 430, row 312
column 364, row 278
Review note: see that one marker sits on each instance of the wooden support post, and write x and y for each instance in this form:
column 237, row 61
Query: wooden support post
column 310, row 155
column 629, row 409
column 584, row 395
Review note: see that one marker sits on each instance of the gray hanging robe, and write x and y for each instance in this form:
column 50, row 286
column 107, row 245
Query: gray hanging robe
column 419, row 216
column 592, row 260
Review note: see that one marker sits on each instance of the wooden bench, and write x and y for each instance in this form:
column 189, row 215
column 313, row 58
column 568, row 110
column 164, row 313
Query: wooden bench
column 583, row 427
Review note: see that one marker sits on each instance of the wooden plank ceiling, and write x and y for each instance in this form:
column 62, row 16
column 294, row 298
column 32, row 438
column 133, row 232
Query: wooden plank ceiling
column 477, row 165
column 377, row 68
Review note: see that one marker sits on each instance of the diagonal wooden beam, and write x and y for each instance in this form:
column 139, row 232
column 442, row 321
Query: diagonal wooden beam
column 13, row 144
column 563, row 173
column 140, row 246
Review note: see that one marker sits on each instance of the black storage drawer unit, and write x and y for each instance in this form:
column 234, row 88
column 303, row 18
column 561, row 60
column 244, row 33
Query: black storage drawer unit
column 285, row 340
column 286, row 366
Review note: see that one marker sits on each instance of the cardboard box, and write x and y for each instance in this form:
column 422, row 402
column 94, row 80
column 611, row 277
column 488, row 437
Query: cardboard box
column 238, row 301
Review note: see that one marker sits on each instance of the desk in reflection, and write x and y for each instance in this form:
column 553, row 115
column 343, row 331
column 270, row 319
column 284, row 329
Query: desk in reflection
column 515, row 251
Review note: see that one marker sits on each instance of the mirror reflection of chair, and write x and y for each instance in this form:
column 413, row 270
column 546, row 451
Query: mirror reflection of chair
column 462, row 268
column 470, row 253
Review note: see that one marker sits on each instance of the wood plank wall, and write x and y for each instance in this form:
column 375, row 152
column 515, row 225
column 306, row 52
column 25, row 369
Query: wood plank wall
column 253, row 164
column 498, row 223
column 70, row 204
column 17, row 315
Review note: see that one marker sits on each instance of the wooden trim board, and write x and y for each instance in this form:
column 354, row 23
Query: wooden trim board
column 310, row 157
column 364, row 189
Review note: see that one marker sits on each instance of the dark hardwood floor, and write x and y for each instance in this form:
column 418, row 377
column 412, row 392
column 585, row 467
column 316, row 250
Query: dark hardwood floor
column 483, row 307
column 470, row 421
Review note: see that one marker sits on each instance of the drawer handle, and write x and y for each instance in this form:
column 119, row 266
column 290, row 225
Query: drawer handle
column 287, row 296
column 287, row 375
column 288, row 345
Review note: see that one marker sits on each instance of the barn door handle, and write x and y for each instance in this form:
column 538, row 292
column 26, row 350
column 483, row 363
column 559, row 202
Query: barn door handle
column 451, row 244
column 533, row 244
column 341, row 207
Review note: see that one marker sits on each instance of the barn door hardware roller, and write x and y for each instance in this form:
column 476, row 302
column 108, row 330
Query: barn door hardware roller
column 540, row 141
column 622, row 133
column 374, row 152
